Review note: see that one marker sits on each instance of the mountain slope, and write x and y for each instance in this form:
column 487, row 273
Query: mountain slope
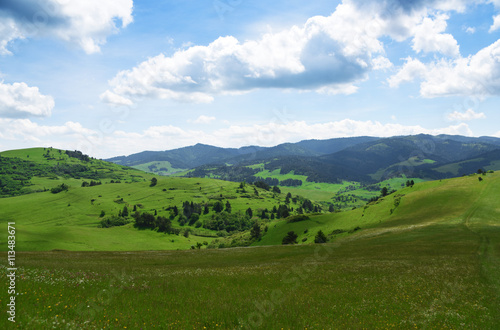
column 201, row 154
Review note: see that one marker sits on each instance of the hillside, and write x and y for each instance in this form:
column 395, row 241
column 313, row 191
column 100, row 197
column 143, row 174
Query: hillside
column 78, row 217
column 85, row 204
column 418, row 157
column 432, row 262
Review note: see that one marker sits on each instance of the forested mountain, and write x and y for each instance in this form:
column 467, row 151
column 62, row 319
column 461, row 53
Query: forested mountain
column 420, row 156
column 362, row 159
column 202, row 154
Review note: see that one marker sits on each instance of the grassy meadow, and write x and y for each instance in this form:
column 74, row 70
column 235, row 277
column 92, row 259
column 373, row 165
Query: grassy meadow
column 424, row 257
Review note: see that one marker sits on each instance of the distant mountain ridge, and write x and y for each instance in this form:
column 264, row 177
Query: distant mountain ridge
column 203, row 154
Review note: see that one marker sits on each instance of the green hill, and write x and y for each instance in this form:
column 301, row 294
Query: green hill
column 62, row 200
column 432, row 263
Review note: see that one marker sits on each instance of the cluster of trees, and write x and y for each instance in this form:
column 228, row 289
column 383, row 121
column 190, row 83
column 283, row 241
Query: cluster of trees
column 91, row 184
column 59, row 188
column 78, row 155
column 146, row 220
column 410, row 183
column 291, row 238
column 229, row 222
column 291, row 183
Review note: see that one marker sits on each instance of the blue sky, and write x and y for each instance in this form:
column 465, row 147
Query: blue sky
column 114, row 77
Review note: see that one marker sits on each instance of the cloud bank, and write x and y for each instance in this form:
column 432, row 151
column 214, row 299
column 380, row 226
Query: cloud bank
column 83, row 23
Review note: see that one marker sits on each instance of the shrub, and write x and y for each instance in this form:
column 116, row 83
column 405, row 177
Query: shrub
column 320, row 237
column 113, row 221
column 290, row 238
column 58, row 189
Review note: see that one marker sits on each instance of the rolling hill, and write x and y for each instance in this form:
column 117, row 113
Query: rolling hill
column 426, row 256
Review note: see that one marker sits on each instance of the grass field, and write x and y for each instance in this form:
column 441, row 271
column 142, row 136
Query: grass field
column 432, row 263
column 425, row 257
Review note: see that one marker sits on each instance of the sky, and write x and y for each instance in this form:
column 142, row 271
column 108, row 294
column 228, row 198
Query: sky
column 116, row 77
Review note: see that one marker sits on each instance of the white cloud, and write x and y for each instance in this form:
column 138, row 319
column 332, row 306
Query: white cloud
column 18, row 100
column 204, row 119
column 270, row 134
column 465, row 116
column 326, row 54
column 429, row 37
column 476, row 75
column 411, row 70
column 84, row 23
column 23, row 133
column 114, row 99
column 8, row 32
column 470, row 30
column 496, row 23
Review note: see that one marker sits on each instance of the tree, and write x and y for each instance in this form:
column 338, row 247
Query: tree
column 255, row 232
column 480, row 179
column 102, row 214
column 276, row 189
column 194, row 217
column 331, row 208
column 384, row 192
column 249, row 212
column 154, row 181
column 307, row 205
column 125, row 211
column 320, row 237
column 228, row 207
column 290, row 238
column 218, row 207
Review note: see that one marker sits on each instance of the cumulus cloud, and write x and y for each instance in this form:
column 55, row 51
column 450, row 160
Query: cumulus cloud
column 476, row 75
column 204, row 119
column 114, row 99
column 496, row 24
column 327, row 54
column 22, row 133
column 84, row 23
column 411, row 70
column 429, row 37
column 18, row 100
column 465, row 116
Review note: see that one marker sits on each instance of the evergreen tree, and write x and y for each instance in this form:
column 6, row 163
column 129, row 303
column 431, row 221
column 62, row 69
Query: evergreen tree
column 320, row 237
column 255, row 232
column 290, row 238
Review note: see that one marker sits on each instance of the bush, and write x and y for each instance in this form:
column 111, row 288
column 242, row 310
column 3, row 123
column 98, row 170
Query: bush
column 113, row 221
column 290, row 238
column 320, row 237
column 58, row 189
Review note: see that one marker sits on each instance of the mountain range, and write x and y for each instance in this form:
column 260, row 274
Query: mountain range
column 364, row 159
